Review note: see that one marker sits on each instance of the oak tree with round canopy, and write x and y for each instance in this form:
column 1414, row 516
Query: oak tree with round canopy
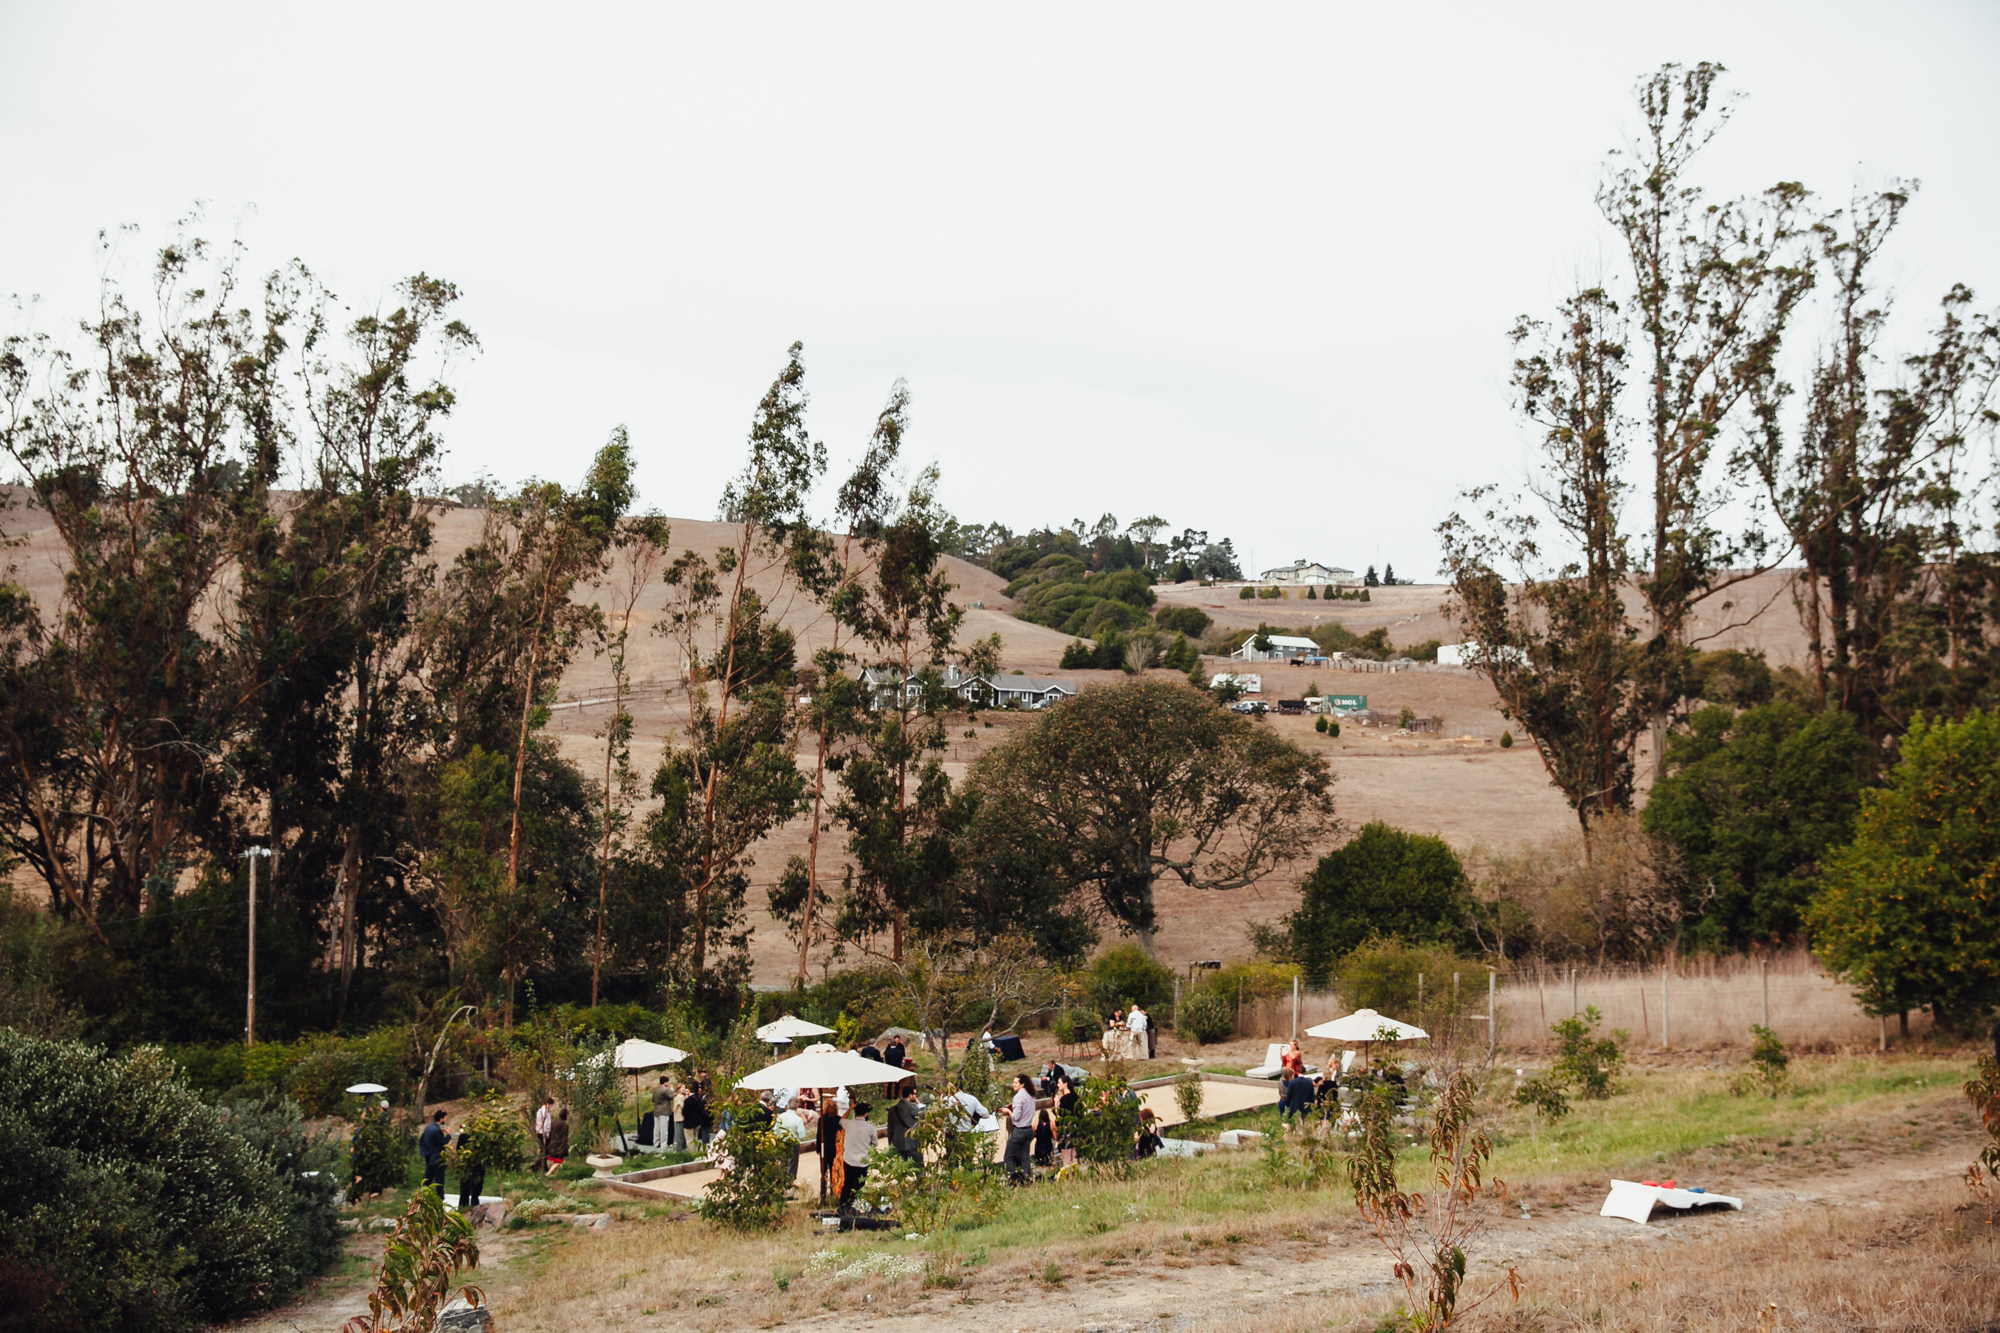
column 1129, row 783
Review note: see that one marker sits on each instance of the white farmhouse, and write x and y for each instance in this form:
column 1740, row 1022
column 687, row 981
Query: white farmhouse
column 1302, row 571
column 1284, row 647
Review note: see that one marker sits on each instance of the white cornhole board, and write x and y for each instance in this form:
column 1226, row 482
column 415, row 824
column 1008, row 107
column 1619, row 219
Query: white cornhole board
column 1634, row 1202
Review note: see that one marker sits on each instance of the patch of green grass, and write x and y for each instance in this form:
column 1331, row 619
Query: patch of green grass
column 1665, row 1115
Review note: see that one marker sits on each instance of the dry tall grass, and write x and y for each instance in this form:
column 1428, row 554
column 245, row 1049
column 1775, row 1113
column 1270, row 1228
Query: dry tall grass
column 1921, row 1266
column 1710, row 1004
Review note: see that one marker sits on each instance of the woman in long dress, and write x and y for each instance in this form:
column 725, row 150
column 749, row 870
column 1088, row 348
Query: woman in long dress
column 828, row 1139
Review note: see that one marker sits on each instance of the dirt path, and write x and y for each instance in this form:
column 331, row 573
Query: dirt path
column 1282, row 1279
column 1273, row 1284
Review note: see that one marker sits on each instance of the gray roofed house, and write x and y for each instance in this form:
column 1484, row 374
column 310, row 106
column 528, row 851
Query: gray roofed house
column 1301, row 571
column 990, row 691
column 1028, row 691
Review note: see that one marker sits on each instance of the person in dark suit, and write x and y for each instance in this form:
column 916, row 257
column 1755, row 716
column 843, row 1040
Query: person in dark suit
column 431, row 1145
column 694, row 1114
column 869, row 1052
column 893, row 1054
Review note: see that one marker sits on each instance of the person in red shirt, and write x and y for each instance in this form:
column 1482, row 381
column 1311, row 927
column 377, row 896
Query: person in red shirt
column 1293, row 1060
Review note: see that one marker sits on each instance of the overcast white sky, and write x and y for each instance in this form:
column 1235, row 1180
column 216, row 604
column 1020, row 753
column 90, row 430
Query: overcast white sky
column 1250, row 267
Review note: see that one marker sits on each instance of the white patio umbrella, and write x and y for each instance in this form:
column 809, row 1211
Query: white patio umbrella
column 633, row 1053
column 781, row 1030
column 1367, row 1027
column 363, row 1089
column 823, row 1069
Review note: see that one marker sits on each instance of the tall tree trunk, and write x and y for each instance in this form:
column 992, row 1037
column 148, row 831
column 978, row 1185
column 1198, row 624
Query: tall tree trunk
column 349, row 894
column 728, row 681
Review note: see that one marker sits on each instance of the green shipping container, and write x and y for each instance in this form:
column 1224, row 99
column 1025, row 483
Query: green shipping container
column 1347, row 703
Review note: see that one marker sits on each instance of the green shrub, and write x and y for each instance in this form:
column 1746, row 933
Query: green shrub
column 1319, row 724
column 1262, row 979
column 750, row 1194
column 1333, row 728
column 496, row 1138
column 307, row 1163
column 1206, row 1017
column 1769, row 1064
column 1106, row 1124
column 379, row 1153
column 1506, row 740
column 1247, row 593
column 1123, row 975
column 1589, row 1064
column 1543, row 1092
column 1383, row 975
column 1387, row 882
column 1189, row 1091
column 128, row 1202
column 1189, row 620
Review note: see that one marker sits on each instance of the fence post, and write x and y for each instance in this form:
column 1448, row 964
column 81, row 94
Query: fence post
column 1572, row 992
column 1420, row 997
column 1764, row 979
column 1666, row 1038
column 1492, row 1031
column 1295, row 1006
column 1883, row 1019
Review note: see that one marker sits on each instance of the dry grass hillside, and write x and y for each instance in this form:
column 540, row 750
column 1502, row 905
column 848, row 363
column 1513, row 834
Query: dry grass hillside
column 1469, row 791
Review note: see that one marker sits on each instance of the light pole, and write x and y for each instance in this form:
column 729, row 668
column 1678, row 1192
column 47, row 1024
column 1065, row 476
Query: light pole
column 250, row 1009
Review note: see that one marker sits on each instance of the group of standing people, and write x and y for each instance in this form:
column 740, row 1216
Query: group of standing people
column 1146, row 1037
column 551, row 1150
column 681, row 1114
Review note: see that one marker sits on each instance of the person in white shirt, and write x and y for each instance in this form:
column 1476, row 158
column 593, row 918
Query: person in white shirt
column 545, row 1124
column 1142, row 1027
column 859, row 1138
column 1021, row 1132
column 973, row 1114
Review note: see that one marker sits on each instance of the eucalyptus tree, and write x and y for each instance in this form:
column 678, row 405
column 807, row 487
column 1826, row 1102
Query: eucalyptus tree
column 1710, row 290
column 733, row 778
column 332, row 583
column 833, row 700
column 1873, row 487
column 896, row 800
column 1554, row 640
column 500, row 630
column 640, row 550
column 123, row 708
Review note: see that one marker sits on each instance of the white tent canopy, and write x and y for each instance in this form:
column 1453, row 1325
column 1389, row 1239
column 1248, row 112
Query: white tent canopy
column 1366, row 1025
column 830, row 1069
column 784, row 1029
column 365, row 1088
